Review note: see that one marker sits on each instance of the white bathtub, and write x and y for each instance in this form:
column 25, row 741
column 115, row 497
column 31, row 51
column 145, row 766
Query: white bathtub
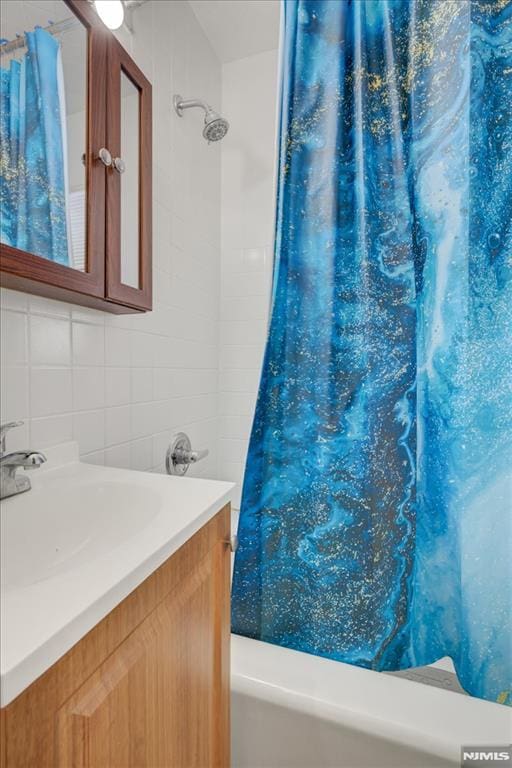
column 293, row 710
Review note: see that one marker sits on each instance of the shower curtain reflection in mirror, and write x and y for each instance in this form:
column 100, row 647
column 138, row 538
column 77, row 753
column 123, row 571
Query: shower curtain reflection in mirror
column 41, row 212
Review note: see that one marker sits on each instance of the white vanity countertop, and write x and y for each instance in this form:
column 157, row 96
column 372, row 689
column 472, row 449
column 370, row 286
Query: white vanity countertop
column 77, row 544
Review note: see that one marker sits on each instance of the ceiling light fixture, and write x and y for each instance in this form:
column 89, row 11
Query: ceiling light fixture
column 111, row 12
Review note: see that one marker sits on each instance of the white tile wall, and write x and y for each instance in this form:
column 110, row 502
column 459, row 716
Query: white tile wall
column 122, row 386
column 248, row 201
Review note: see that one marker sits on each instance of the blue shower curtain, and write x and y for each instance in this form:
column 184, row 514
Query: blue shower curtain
column 376, row 517
column 32, row 162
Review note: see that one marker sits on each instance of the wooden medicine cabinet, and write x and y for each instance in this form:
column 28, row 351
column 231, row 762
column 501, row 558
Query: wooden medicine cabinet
column 76, row 161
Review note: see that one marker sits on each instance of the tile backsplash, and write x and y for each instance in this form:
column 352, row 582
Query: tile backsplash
column 122, row 385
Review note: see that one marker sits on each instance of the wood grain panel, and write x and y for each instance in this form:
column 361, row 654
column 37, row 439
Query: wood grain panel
column 221, row 601
column 3, row 739
column 119, row 64
column 149, row 685
column 30, row 271
column 99, row 286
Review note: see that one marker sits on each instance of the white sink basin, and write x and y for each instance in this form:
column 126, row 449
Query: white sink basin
column 82, row 523
column 77, row 544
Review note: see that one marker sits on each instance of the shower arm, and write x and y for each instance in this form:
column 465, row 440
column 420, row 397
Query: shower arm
column 215, row 126
column 181, row 104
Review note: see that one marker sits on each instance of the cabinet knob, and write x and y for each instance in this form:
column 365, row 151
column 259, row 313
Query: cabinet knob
column 119, row 164
column 105, row 157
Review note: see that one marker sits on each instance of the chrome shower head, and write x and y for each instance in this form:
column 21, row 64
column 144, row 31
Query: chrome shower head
column 215, row 126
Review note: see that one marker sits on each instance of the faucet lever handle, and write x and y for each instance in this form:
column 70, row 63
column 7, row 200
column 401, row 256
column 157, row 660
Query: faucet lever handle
column 194, row 456
column 180, row 455
column 4, row 428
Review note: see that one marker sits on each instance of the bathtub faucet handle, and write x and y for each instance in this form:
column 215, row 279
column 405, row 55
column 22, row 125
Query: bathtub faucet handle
column 194, row 456
column 180, row 455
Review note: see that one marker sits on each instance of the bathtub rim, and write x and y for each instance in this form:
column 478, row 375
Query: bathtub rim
column 397, row 710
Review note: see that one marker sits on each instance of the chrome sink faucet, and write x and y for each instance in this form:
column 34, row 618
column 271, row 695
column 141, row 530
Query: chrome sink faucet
column 12, row 483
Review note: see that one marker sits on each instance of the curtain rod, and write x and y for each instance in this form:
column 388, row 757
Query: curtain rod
column 53, row 29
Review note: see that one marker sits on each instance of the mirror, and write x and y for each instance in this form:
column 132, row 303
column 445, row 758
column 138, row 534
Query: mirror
column 130, row 130
column 43, row 131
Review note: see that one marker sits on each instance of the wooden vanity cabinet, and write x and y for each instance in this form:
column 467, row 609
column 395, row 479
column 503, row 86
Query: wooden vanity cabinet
column 148, row 687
